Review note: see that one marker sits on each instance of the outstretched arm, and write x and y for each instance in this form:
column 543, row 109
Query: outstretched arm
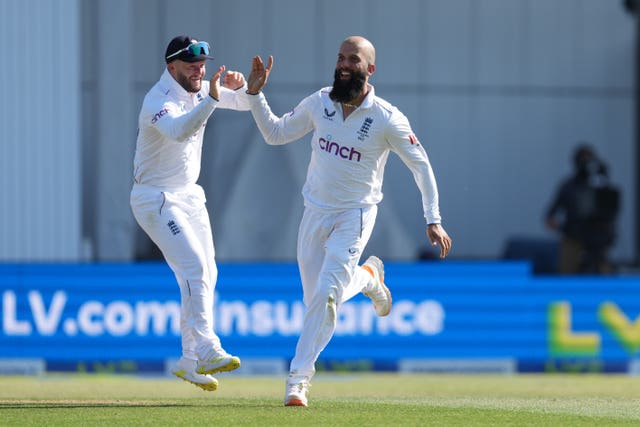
column 259, row 74
column 404, row 143
column 275, row 130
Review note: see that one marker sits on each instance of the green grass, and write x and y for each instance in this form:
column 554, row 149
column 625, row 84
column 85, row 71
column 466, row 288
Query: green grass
column 335, row 400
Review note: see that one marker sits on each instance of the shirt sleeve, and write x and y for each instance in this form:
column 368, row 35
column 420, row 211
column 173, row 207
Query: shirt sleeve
column 406, row 145
column 234, row 99
column 280, row 130
column 178, row 125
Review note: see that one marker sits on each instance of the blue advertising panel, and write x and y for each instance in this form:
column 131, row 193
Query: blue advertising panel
column 444, row 313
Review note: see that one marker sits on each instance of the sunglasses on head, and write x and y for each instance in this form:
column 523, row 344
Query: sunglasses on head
column 194, row 49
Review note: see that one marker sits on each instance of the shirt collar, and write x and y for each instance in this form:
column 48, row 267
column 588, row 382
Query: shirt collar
column 368, row 100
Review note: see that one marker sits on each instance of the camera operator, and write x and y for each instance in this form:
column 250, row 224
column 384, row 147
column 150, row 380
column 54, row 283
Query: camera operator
column 584, row 211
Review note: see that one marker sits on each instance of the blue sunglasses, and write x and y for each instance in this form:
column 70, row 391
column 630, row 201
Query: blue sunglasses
column 194, row 49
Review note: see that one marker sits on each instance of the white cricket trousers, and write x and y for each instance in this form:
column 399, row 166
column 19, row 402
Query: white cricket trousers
column 178, row 223
column 330, row 245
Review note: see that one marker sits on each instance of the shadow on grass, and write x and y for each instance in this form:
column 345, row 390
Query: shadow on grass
column 125, row 404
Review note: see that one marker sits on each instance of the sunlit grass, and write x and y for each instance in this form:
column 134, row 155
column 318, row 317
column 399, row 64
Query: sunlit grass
column 335, row 399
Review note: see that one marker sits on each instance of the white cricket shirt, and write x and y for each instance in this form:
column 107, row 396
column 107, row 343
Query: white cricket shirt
column 171, row 129
column 348, row 157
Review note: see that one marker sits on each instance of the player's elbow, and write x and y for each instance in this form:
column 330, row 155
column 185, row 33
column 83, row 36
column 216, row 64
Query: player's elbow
column 274, row 138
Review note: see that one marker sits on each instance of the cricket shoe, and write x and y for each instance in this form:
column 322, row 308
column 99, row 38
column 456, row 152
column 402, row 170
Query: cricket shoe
column 186, row 370
column 296, row 392
column 377, row 291
column 217, row 360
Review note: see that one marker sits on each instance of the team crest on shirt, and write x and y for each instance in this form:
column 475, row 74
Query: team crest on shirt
column 364, row 129
column 173, row 227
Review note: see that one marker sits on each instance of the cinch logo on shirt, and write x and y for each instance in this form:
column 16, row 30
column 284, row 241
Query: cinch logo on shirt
column 333, row 147
column 159, row 114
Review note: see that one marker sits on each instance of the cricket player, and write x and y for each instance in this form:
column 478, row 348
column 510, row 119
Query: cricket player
column 353, row 132
column 169, row 205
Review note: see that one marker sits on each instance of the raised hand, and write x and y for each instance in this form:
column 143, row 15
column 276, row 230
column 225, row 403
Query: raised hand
column 259, row 74
column 233, row 80
column 214, row 83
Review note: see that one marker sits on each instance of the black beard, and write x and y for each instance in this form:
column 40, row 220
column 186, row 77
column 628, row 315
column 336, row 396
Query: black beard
column 187, row 84
column 347, row 91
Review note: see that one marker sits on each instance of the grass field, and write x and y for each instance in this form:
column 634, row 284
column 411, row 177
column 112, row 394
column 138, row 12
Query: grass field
column 335, row 400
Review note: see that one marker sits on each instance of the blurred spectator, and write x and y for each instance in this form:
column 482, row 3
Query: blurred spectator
column 584, row 211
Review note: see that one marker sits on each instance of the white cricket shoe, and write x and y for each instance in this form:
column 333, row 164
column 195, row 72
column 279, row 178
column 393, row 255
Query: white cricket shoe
column 186, row 370
column 217, row 360
column 377, row 291
column 296, row 391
